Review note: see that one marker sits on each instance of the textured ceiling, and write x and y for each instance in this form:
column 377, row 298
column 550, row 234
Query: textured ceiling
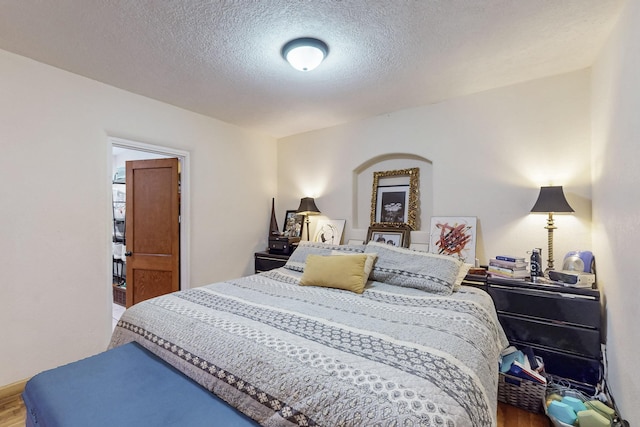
column 222, row 58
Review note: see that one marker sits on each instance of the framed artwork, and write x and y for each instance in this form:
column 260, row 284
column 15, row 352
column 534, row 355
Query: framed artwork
column 392, row 204
column 329, row 231
column 398, row 236
column 293, row 224
column 394, row 199
column 455, row 236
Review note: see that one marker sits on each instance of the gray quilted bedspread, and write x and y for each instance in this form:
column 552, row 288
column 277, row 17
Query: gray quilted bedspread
column 290, row 355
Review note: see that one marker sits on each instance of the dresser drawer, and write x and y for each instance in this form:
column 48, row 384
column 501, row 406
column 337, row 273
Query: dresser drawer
column 572, row 339
column 552, row 305
column 581, row 370
column 267, row 261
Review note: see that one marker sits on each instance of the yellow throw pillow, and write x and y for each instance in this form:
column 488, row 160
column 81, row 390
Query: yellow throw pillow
column 368, row 265
column 335, row 271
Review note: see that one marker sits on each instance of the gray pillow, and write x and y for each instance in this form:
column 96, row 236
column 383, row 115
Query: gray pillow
column 298, row 258
column 413, row 269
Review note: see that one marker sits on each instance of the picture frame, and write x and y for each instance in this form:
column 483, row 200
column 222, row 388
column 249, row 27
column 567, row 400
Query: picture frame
column 329, row 231
column 293, row 223
column 394, row 199
column 454, row 236
column 398, row 236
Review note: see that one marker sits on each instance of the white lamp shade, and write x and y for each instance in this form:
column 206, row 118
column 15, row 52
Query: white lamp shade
column 305, row 58
column 305, row 54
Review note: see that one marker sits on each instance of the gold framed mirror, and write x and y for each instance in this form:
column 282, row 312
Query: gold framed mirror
column 394, row 199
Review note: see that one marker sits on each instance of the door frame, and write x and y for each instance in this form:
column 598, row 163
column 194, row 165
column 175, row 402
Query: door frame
column 183, row 159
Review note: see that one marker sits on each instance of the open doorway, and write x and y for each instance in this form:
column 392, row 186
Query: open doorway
column 123, row 151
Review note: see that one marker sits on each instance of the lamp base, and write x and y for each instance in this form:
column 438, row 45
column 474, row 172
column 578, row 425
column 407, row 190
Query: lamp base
column 307, row 222
column 550, row 227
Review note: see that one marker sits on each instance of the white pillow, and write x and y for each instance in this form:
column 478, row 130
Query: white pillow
column 464, row 269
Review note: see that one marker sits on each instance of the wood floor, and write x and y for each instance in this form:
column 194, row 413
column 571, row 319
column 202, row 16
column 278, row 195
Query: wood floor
column 13, row 413
column 511, row 416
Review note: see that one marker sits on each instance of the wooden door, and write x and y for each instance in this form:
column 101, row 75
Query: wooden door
column 152, row 229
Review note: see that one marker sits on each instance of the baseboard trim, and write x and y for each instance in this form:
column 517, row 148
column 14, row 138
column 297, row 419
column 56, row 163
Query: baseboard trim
column 12, row 389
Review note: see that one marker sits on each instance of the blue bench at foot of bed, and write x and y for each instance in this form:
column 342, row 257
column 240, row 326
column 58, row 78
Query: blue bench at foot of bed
column 125, row 386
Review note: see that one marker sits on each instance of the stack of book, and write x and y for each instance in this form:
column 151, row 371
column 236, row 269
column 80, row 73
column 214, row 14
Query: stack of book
column 523, row 364
column 508, row 266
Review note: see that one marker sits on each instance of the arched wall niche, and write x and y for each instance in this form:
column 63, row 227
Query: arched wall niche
column 363, row 188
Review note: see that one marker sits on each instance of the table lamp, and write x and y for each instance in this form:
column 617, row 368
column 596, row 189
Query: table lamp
column 551, row 200
column 307, row 207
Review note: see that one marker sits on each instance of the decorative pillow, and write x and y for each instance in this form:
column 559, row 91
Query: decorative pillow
column 368, row 265
column 340, row 272
column 464, row 269
column 298, row 258
column 412, row 269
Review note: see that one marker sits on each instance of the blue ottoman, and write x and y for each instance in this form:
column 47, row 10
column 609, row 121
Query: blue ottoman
column 125, row 386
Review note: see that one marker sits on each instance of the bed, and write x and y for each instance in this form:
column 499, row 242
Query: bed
column 349, row 335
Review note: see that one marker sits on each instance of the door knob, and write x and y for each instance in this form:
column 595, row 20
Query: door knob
column 128, row 253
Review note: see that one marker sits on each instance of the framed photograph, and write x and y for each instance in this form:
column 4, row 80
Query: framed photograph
column 398, row 236
column 394, row 200
column 455, row 236
column 329, row 231
column 293, row 224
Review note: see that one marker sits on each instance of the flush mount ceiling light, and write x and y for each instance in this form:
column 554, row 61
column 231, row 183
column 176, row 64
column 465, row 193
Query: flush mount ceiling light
column 305, row 54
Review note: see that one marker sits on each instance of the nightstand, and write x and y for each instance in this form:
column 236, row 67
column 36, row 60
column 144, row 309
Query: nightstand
column 561, row 325
column 265, row 261
column 476, row 281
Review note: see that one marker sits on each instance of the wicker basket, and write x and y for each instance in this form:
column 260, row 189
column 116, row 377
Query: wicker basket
column 524, row 394
column 119, row 295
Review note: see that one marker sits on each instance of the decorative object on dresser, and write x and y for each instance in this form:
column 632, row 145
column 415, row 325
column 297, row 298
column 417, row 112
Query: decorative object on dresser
column 307, row 207
column 560, row 324
column 280, row 243
column 293, row 223
column 394, row 200
column 273, row 225
column 551, row 200
column 455, row 236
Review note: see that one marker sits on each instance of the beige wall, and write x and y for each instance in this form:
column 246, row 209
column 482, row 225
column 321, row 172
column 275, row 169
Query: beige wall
column 616, row 202
column 55, row 296
column 488, row 155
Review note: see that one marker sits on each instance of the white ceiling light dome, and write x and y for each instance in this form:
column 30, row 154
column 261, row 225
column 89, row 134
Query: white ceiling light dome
column 305, row 53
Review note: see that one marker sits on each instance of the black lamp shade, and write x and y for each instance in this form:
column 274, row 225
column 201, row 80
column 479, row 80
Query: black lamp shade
column 308, row 206
column 551, row 199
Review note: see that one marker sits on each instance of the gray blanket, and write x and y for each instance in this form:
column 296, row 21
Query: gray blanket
column 289, row 355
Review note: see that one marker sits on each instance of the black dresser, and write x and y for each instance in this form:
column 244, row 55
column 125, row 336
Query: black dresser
column 265, row 261
column 561, row 324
